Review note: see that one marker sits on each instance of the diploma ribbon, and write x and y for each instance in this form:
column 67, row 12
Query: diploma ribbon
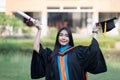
column 28, row 20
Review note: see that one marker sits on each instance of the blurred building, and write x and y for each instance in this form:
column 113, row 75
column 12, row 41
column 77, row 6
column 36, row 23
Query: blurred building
column 2, row 5
column 77, row 14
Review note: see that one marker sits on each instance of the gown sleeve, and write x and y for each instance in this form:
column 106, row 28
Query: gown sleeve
column 94, row 61
column 38, row 63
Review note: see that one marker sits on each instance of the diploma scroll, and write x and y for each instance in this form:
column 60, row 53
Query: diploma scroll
column 25, row 15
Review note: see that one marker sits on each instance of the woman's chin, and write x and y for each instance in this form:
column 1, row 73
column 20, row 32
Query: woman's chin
column 63, row 44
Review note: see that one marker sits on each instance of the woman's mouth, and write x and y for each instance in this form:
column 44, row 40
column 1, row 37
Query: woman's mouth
column 63, row 41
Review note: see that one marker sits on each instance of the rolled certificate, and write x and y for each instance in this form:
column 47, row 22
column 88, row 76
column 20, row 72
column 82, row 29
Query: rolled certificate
column 25, row 15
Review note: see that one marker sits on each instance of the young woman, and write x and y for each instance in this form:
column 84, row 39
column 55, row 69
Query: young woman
column 66, row 62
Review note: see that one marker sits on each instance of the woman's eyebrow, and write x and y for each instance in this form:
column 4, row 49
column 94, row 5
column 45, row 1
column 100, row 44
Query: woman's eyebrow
column 61, row 33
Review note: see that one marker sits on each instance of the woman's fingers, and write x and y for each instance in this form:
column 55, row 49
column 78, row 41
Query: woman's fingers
column 37, row 24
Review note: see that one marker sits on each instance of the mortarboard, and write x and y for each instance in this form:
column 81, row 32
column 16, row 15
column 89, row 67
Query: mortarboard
column 107, row 25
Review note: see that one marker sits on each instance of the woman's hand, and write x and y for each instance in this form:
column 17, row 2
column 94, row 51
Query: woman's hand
column 96, row 28
column 37, row 24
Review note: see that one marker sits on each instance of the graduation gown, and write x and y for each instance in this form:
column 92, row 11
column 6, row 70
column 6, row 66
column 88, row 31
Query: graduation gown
column 79, row 60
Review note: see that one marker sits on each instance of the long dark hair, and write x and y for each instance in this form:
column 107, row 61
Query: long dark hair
column 57, row 44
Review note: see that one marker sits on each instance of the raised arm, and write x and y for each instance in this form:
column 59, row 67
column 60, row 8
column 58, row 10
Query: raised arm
column 36, row 46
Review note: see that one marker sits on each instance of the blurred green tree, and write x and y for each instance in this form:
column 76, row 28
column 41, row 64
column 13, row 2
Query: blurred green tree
column 10, row 20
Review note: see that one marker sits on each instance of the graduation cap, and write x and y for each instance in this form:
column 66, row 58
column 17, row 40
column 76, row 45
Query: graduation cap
column 107, row 25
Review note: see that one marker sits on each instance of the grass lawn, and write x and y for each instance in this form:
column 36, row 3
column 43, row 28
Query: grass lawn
column 17, row 67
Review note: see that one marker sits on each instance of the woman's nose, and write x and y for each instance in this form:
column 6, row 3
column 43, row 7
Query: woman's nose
column 63, row 37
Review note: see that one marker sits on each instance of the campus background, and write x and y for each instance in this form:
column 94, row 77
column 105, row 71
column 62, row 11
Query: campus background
column 17, row 35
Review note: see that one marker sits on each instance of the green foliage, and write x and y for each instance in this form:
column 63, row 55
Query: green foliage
column 105, row 43
column 25, row 45
column 51, row 34
column 27, row 31
column 15, row 45
column 10, row 20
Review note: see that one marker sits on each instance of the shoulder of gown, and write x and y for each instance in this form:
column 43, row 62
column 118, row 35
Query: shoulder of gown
column 92, row 56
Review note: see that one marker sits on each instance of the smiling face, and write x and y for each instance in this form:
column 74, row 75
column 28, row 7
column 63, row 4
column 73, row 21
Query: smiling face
column 63, row 38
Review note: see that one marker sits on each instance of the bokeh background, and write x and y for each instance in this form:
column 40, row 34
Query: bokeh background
column 17, row 35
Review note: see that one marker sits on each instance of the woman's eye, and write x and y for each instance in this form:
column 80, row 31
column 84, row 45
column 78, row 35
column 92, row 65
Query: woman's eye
column 60, row 34
column 66, row 35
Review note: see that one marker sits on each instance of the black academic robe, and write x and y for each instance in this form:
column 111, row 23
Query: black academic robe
column 81, row 59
